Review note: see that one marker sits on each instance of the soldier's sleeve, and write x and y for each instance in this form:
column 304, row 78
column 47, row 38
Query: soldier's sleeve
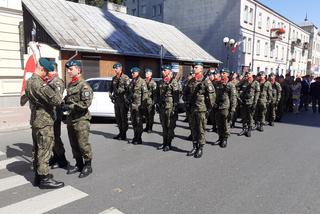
column 211, row 94
column 124, row 85
column 175, row 92
column 50, row 95
column 144, row 91
column 269, row 94
column 279, row 89
column 86, row 96
column 257, row 93
column 233, row 98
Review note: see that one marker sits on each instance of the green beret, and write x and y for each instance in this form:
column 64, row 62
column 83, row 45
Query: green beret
column 117, row 65
column 73, row 63
column 225, row 70
column 198, row 63
column 148, row 70
column 46, row 64
column 135, row 69
column 166, row 67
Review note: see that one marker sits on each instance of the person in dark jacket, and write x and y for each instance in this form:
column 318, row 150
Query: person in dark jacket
column 315, row 95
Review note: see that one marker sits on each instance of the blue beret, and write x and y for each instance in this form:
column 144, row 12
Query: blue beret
column 46, row 64
column 117, row 65
column 197, row 63
column 166, row 67
column 148, row 70
column 73, row 63
column 135, row 69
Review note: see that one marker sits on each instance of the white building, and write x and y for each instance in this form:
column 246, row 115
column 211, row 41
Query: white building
column 269, row 41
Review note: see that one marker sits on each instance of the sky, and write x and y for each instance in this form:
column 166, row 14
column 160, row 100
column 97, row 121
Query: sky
column 295, row 10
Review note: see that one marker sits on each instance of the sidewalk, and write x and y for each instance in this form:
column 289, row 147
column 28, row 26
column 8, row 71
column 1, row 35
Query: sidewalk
column 14, row 118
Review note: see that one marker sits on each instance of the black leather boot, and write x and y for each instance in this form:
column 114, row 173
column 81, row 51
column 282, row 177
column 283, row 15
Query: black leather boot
column 189, row 137
column 167, row 147
column 193, row 150
column 139, row 140
column 271, row 123
column 87, row 169
column 36, row 181
column 248, row 134
column 199, row 152
column 243, row 132
column 223, row 143
column 77, row 168
column 123, row 136
column 260, row 127
column 49, row 183
column 117, row 137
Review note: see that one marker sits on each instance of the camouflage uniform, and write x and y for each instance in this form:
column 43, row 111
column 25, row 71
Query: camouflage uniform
column 263, row 102
column 168, row 98
column 281, row 108
column 58, row 148
column 78, row 99
column 117, row 93
column 186, row 100
column 202, row 100
column 137, row 95
column 212, row 112
column 276, row 96
column 150, row 111
column 42, row 98
column 249, row 94
column 226, row 102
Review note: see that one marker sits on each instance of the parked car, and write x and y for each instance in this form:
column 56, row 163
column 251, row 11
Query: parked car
column 101, row 104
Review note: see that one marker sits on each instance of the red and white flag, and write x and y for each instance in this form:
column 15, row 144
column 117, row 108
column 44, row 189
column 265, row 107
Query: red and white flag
column 236, row 46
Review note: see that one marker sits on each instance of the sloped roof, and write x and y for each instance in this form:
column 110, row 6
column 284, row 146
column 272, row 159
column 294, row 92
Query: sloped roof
column 82, row 27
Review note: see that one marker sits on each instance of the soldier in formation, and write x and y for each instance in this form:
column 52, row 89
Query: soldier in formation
column 150, row 100
column 275, row 99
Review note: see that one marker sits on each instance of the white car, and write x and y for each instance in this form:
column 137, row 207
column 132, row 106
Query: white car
column 101, row 104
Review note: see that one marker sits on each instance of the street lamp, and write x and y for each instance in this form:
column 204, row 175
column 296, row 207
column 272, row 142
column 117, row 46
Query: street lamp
column 229, row 44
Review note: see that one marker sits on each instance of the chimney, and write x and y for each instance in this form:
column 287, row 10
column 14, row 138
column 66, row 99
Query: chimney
column 114, row 7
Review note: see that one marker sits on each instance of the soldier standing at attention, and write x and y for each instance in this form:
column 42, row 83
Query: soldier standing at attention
column 186, row 100
column 212, row 112
column 233, row 78
column 151, row 95
column 59, row 158
column 167, row 101
column 43, row 97
column 202, row 100
column 263, row 101
column 283, row 100
column 276, row 96
column 137, row 95
column 249, row 95
column 118, row 90
column 226, row 103
column 77, row 101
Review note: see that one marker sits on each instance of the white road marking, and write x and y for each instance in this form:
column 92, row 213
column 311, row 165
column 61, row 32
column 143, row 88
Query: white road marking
column 5, row 163
column 112, row 210
column 2, row 153
column 12, row 182
column 45, row 202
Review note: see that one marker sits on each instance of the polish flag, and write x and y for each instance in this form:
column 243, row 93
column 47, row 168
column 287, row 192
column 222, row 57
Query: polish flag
column 236, row 46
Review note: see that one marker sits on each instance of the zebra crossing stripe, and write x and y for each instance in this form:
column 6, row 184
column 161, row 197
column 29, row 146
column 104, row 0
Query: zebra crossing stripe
column 112, row 210
column 5, row 163
column 1, row 153
column 45, row 202
column 12, row 182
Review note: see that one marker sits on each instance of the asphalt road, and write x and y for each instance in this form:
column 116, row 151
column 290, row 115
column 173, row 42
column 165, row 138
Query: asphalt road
column 274, row 172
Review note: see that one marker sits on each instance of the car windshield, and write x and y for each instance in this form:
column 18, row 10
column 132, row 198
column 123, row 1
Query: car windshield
column 100, row 85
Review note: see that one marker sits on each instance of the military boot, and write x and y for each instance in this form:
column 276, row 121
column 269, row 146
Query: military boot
column 199, row 152
column 134, row 140
column 189, row 137
column 139, row 139
column 271, row 123
column 123, row 136
column 194, row 149
column 243, row 132
column 77, row 168
column 223, row 142
column 117, row 137
column 49, row 183
column 87, row 169
column 167, row 147
column 36, row 181
column 260, row 127
column 248, row 134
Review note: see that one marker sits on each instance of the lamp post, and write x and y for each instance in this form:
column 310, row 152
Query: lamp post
column 229, row 44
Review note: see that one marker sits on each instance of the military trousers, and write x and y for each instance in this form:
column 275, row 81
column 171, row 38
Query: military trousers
column 247, row 116
column 271, row 112
column 58, row 147
column 42, row 148
column 137, row 124
column 167, row 117
column 121, row 113
column 149, row 115
column 261, row 111
column 280, row 110
column 78, row 133
column 212, row 115
column 223, row 125
column 199, row 122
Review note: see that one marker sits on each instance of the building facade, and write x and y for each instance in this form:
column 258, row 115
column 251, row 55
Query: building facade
column 265, row 40
column 11, row 57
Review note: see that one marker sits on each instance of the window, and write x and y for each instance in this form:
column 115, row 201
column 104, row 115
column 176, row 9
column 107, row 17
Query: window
column 249, row 46
column 143, row 9
column 266, row 49
column 160, row 9
column 258, row 47
column 271, row 70
column 266, row 70
column 251, row 16
column 154, row 10
column 133, row 11
column 282, row 55
column 277, row 51
column 273, row 23
column 271, row 53
column 258, row 69
column 268, row 24
column 244, row 45
column 245, row 14
column 260, row 21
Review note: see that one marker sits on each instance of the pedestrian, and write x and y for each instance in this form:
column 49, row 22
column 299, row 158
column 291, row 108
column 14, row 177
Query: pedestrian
column 233, row 78
column 276, row 96
column 263, row 101
column 118, row 91
column 43, row 96
column 315, row 94
column 289, row 103
column 136, row 98
column 225, row 106
column 167, row 102
column 150, row 102
column 202, row 101
column 305, row 91
column 249, row 95
column 296, row 93
column 283, row 100
column 76, row 103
